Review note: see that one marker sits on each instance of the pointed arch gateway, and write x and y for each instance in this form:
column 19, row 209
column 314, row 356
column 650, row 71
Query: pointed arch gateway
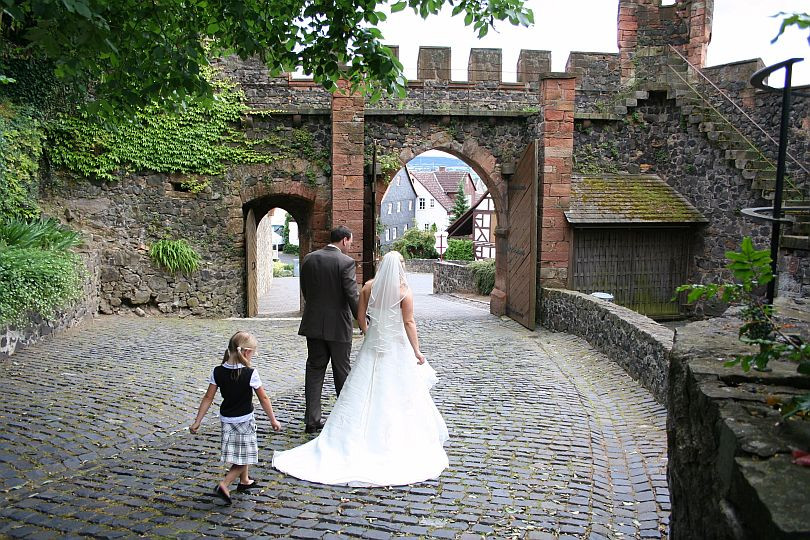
column 515, row 202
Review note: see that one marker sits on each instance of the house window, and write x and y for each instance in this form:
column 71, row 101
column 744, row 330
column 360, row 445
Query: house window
column 390, row 206
column 432, row 202
column 399, row 207
column 387, row 235
column 394, row 233
column 410, row 205
column 405, row 227
column 398, row 179
column 421, row 203
column 427, row 226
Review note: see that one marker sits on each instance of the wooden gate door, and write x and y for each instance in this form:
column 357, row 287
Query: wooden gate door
column 521, row 266
column 250, row 258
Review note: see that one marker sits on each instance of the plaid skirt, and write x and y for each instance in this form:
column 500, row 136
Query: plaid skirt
column 239, row 444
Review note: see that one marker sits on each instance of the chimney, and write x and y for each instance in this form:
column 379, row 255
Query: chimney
column 442, row 168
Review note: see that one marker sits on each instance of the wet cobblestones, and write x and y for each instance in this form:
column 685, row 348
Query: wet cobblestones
column 549, row 439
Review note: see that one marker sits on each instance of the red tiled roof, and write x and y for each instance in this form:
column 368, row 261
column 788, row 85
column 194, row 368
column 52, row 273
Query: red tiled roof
column 428, row 179
column 449, row 179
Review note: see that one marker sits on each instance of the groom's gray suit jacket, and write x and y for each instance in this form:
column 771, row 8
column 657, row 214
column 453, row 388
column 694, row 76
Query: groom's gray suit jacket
column 329, row 286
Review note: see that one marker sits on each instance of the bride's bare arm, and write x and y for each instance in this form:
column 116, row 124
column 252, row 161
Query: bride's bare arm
column 362, row 306
column 410, row 326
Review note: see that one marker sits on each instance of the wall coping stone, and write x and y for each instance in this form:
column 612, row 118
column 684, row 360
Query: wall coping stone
column 637, row 343
column 729, row 466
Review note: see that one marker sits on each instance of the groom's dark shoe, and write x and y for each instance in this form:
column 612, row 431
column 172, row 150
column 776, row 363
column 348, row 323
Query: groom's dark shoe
column 314, row 428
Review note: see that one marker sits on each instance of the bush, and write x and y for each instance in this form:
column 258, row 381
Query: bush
column 34, row 280
column 416, row 244
column 42, row 234
column 175, row 255
column 484, row 272
column 282, row 270
column 459, row 250
column 291, row 249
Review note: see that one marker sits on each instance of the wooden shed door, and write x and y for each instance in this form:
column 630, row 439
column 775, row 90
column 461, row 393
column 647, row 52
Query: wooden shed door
column 250, row 257
column 521, row 284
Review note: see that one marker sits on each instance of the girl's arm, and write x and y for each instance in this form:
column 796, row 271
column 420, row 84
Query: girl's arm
column 206, row 402
column 268, row 408
column 362, row 307
column 410, row 326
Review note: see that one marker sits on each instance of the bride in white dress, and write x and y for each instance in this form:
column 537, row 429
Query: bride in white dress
column 384, row 429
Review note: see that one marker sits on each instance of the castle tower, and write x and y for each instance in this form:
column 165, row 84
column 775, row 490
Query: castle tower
column 646, row 29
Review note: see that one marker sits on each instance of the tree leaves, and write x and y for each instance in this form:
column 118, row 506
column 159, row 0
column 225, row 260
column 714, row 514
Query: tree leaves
column 134, row 53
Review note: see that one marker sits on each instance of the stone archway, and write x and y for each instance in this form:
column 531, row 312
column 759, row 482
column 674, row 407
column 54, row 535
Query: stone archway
column 298, row 200
column 486, row 165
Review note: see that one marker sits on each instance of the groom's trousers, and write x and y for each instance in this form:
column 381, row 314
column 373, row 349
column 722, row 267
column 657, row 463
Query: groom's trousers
column 319, row 352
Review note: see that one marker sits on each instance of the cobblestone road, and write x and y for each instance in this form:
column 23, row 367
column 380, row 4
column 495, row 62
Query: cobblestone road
column 549, row 439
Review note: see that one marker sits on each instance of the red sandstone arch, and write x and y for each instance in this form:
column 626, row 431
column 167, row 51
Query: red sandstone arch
column 301, row 201
column 487, row 167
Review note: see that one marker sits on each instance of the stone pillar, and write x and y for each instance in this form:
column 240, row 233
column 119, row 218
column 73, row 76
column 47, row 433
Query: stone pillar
column 555, row 157
column 700, row 31
column 433, row 63
column 531, row 64
column 627, row 37
column 484, row 65
column 348, row 121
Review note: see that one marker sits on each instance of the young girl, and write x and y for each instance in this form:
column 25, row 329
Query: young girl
column 236, row 380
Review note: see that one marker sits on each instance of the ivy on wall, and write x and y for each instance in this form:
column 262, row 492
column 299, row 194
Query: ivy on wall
column 21, row 137
column 199, row 139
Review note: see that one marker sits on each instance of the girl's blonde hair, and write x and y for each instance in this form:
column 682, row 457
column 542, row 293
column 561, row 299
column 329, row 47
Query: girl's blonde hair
column 234, row 355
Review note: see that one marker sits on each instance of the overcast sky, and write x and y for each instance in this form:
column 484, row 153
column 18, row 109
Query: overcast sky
column 742, row 30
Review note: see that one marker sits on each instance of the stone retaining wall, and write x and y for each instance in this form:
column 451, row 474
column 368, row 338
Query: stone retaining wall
column 422, row 266
column 13, row 339
column 637, row 343
column 730, row 472
column 453, row 277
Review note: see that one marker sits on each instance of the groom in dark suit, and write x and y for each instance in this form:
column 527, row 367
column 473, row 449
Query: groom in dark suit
column 329, row 287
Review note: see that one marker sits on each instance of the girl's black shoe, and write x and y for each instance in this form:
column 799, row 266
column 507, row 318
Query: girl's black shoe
column 247, row 487
column 219, row 492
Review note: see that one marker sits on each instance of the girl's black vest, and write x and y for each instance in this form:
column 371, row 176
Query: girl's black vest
column 237, row 395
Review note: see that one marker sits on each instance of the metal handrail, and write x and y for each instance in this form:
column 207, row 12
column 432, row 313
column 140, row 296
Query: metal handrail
column 731, row 101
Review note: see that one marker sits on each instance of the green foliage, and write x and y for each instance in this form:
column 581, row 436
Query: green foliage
column 195, row 185
column 484, row 272
column 291, row 249
column 21, row 138
column 459, row 204
column 285, row 231
column 389, row 164
column 416, row 244
column 139, row 52
column 41, row 234
column 459, row 250
column 200, row 139
column 38, row 273
column 281, row 269
column 800, row 20
column 175, row 255
column 752, row 270
column 34, row 280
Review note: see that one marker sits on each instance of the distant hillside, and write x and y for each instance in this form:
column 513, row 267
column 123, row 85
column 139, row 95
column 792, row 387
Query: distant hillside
column 431, row 163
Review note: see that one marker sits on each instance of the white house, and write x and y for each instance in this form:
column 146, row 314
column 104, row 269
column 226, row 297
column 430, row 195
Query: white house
column 432, row 203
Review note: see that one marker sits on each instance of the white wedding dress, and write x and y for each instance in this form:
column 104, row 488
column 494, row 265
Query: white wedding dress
column 384, row 429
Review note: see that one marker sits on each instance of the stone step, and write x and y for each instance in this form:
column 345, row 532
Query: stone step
column 621, row 110
column 801, row 227
column 741, row 154
column 630, row 102
column 641, row 94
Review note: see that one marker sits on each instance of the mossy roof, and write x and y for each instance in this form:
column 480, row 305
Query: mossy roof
column 628, row 199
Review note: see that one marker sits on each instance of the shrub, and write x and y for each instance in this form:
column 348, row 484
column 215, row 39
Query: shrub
column 459, row 250
column 416, row 244
column 42, row 234
column 175, row 255
column 282, row 270
column 34, row 280
column 484, row 272
column 291, row 249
